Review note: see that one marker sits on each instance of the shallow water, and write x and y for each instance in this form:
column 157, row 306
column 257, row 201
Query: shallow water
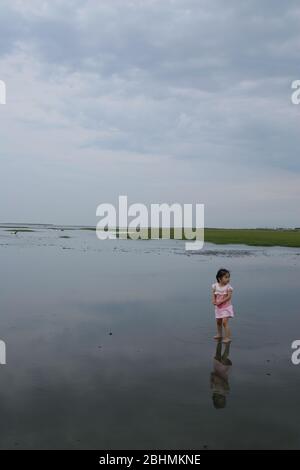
column 69, row 383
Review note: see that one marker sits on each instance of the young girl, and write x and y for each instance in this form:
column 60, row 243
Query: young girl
column 221, row 299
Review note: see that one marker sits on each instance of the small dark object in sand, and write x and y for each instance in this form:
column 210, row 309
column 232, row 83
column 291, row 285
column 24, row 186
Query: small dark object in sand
column 228, row 253
column 268, row 373
column 205, row 446
column 110, row 333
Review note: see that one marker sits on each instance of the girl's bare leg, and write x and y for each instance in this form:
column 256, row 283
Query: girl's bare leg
column 227, row 330
column 219, row 329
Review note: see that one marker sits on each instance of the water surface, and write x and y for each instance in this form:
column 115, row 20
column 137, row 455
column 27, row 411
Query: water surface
column 109, row 345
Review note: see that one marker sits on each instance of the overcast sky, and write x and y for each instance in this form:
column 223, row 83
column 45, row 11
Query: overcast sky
column 161, row 100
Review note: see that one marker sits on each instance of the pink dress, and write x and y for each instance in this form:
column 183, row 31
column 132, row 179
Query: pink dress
column 223, row 310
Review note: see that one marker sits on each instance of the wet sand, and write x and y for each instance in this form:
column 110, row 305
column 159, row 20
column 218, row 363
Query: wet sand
column 109, row 345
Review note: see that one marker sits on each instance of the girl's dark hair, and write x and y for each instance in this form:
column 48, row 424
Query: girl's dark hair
column 222, row 273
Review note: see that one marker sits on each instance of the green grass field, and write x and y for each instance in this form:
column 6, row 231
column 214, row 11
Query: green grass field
column 257, row 237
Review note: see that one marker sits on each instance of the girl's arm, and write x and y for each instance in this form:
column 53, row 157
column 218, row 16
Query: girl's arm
column 213, row 296
column 226, row 298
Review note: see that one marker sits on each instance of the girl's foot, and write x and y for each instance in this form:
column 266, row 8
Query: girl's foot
column 226, row 340
column 217, row 337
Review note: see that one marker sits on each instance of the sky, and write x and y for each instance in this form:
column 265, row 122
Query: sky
column 164, row 101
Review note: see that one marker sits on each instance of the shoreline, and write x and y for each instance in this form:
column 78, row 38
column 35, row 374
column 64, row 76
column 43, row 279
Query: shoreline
column 219, row 236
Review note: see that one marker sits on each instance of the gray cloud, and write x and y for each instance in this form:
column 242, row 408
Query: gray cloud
column 199, row 88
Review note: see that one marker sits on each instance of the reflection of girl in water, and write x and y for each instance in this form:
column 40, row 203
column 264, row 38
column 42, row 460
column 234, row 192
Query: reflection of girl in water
column 221, row 299
column 219, row 377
